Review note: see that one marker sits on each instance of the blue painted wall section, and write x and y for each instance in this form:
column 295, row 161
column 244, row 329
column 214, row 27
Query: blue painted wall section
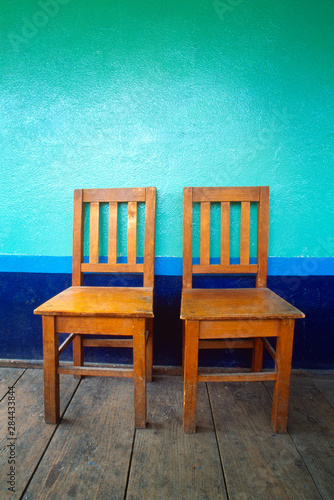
column 169, row 93
column 21, row 331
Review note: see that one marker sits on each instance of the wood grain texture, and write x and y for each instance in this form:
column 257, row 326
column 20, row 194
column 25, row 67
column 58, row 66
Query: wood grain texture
column 256, row 462
column 244, row 233
column 33, row 435
column 94, row 226
column 190, row 368
column 100, row 301
column 51, row 377
column 112, row 268
column 149, row 243
column 112, row 233
column 167, row 463
column 78, row 230
column 256, row 303
column 262, row 236
column 187, row 237
column 91, row 449
column 219, row 194
column 132, row 232
column 225, row 233
column 205, row 234
column 283, row 360
column 325, row 384
column 311, row 426
column 8, row 378
column 114, row 194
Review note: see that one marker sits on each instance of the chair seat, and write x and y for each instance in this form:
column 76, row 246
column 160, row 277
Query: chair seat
column 231, row 303
column 100, row 301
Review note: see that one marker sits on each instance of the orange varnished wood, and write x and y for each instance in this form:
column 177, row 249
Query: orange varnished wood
column 149, row 247
column 94, row 372
column 114, row 194
column 220, row 194
column 100, row 301
column 118, row 311
column 187, row 237
column 262, row 236
column 94, row 325
column 205, row 233
column 283, row 367
column 215, row 317
column 221, row 269
column 132, row 232
column 112, row 268
column 94, row 222
column 225, row 234
column 225, row 344
column 244, row 233
column 112, row 236
column 235, row 303
column 107, row 342
column 51, row 377
column 190, row 375
column 78, row 229
column 237, row 377
column 238, row 329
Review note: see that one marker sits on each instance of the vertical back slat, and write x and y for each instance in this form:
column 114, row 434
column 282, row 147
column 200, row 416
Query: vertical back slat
column 262, row 236
column 205, row 233
column 94, row 232
column 149, row 243
column 78, row 224
column 112, row 236
column 244, row 232
column 132, row 232
column 187, row 236
column 225, row 233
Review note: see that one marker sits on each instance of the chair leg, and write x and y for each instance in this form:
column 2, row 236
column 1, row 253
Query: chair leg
column 78, row 353
column 282, row 383
column 139, row 372
column 51, row 377
column 183, row 339
column 257, row 357
column 190, row 376
column 149, row 351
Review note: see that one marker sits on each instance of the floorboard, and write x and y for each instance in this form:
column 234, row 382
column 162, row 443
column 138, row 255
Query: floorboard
column 90, row 453
column 31, row 433
column 311, row 426
column 8, row 377
column 168, row 464
column 326, row 387
column 257, row 463
column 96, row 453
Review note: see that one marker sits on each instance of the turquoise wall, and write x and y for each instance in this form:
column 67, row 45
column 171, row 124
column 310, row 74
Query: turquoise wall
column 166, row 93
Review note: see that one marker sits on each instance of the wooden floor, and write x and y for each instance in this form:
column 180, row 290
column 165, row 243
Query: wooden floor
column 95, row 453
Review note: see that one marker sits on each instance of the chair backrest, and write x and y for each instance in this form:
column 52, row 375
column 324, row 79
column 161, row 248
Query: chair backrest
column 225, row 196
column 111, row 197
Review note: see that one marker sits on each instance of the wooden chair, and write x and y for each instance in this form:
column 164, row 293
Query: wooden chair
column 232, row 318
column 126, row 312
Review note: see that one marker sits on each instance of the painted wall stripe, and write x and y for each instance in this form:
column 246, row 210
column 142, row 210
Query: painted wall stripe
column 169, row 266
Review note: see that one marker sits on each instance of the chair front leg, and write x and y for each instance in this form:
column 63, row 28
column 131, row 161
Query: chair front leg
column 191, row 339
column 139, row 371
column 282, row 383
column 149, row 350
column 51, row 377
column 78, row 353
